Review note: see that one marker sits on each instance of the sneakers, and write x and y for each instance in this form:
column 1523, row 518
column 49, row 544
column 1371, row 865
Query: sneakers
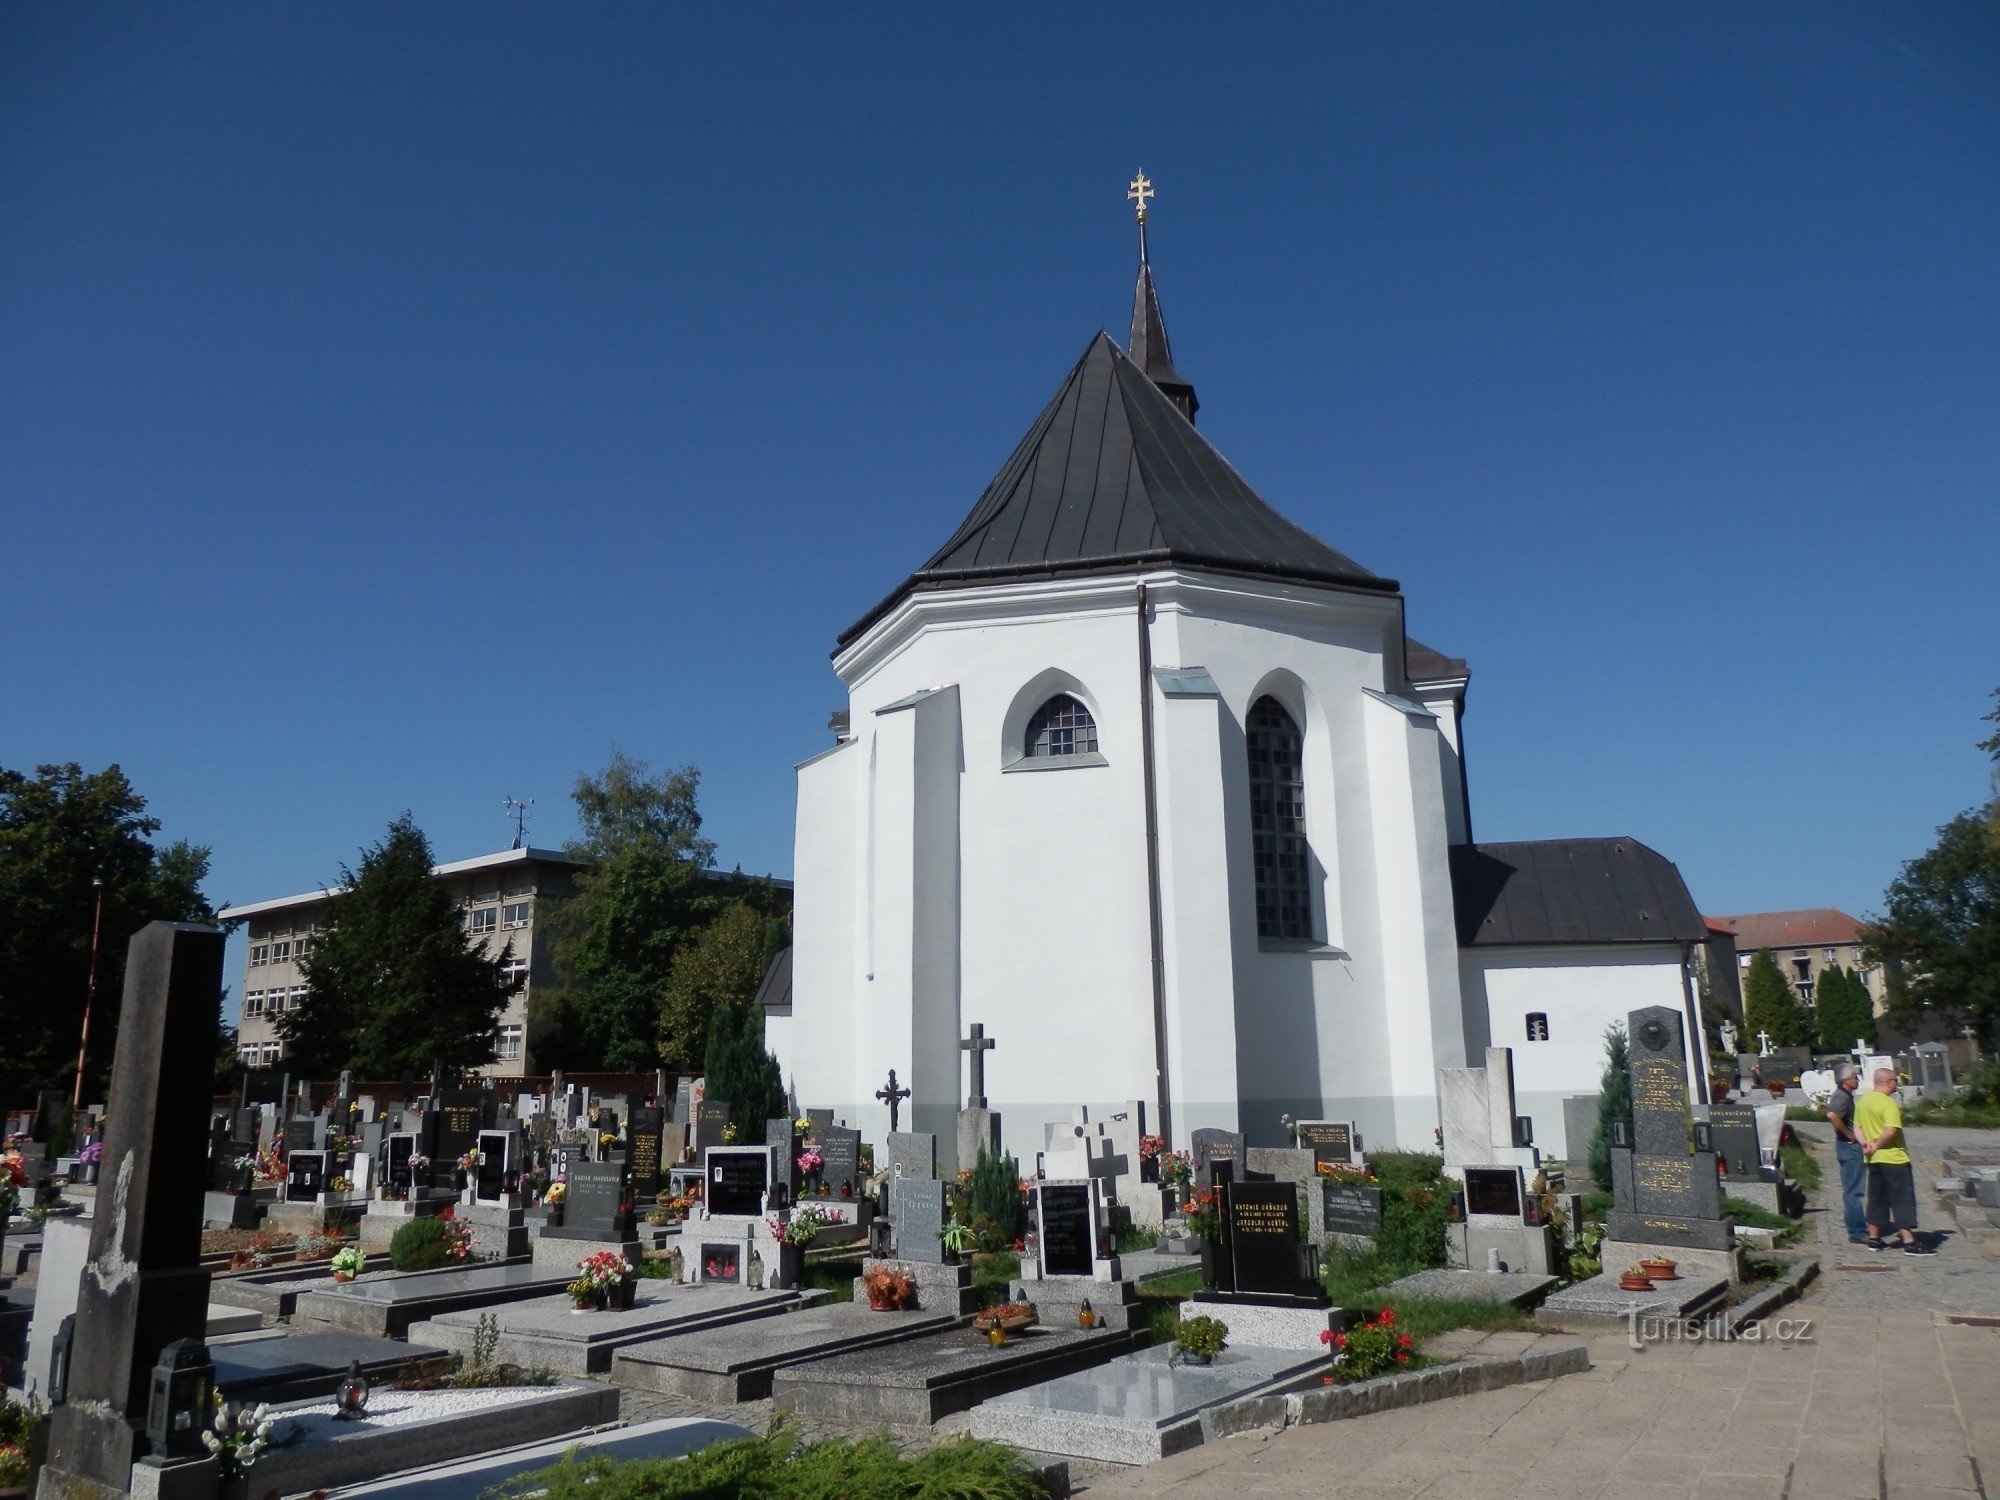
column 1873, row 1243
column 1918, row 1247
column 1862, row 1239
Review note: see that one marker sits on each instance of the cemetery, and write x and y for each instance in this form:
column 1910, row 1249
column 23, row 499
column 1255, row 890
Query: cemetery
column 1111, row 1302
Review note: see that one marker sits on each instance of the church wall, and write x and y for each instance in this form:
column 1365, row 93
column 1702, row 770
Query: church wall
column 817, row 1052
column 1582, row 991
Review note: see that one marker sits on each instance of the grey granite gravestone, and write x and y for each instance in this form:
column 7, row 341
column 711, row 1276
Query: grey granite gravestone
column 821, row 1118
column 1579, row 1124
column 596, row 1206
column 143, row 1286
column 912, row 1153
column 1732, row 1135
column 840, row 1160
column 919, row 1214
column 1663, row 1191
column 1213, row 1146
column 710, row 1116
column 782, row 1140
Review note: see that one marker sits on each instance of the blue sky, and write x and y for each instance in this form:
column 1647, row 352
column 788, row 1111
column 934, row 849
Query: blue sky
column 404, row 405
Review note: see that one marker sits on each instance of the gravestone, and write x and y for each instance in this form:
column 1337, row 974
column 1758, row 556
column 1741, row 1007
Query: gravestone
column 1489, row 1156
column 737, row 1178
column 1493, row 1190
column 143, row 1286
column 1732, row 1135
column 1066, row 1227
column 1351, row 1209
column 402, row 1146
column 840, row 1160
column 222, row 1154
column 912, row 1153
column 459, row 1114
column 1331, row 1141
column 266, row 1085
column 648, row 1124
column 1260, row 1224
column 821, row 1118
column 1214, row 1148
column 684, row 1102
column 918, row 1209
column 710, row 1116
column 596, row 1206
column 1579, row 1124
column 781, row 1140
column 496, row 1160
column 301, row 1135
column 305, row 1176
column 1663, row 1191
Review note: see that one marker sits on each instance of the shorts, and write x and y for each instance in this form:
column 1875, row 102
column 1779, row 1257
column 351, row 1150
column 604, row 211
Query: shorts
column 1892, row 1196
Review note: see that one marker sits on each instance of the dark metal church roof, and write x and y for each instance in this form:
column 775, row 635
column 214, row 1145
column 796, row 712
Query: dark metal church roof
column 1112, row 477
column 1582, row 891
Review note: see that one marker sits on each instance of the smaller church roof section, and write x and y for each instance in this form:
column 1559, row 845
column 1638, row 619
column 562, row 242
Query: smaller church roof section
column 1422, row 664
column 1570, row 891
column 775, row 993
column 1147, row 346
column 1112, row 477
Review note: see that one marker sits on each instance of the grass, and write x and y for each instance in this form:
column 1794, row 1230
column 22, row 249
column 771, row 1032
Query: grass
column 835, row 1276
column 1161, row 1296
column 1801, row 1165
column 1789, row 1231
column 1952, row 1112
column 992, row 1271
column 1356, row 1281
column 1801, row 1114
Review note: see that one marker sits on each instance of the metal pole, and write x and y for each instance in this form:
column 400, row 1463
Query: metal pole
column 89, row 998
column 1153, row 872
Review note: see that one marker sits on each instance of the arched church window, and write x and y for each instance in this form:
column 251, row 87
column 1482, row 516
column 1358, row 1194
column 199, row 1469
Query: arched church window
column 1278, row 822
column 1061, row 726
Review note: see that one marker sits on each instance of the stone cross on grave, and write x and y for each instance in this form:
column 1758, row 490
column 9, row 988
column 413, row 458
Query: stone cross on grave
column 1860, row 1047
column 893, row 1097
column 1764, row 1042
column 978, row 1044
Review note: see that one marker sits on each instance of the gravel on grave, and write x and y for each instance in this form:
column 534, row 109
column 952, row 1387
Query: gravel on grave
column 393, row 1408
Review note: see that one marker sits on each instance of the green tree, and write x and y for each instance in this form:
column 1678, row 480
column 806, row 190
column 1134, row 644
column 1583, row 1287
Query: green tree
column 394, row 982
column 719, row 967
column 996, row 1196
column 60, row 830
column 740, row 1070
column 1842, row 1010
column 640, row 895
column 1614, row 1101
column 1941, row 931
column 1769, row 1006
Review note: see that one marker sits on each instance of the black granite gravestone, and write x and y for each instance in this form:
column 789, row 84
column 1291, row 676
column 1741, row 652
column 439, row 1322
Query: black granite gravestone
column 598, row 1205
column 301, row 1135
column 1732, row 1133
column 396, row 1171
column 1663, row 1191
column 459, row 1114
column 648, row 1122
column 1351, row 1210
column 710, row 1116
column 1493, row 1190
column 1067, row 1228
column 840, row 1160
column 738, row 1178
column 305, row 1176
column 1328, row 1140
column 1261, row 1222
column 143, row 1287
column 496, row 1160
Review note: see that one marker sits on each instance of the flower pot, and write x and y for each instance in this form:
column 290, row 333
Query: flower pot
column 1189, row 1357
column 342, row 1276
column 1635, row 1284
column 1777, row 1090
column 621, row 1297
column 790, row 1270
column 581, row 1305
column 1207, row 1266
column 1661, row 1270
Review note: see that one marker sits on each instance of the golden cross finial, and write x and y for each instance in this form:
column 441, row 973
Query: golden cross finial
column 1141, row 189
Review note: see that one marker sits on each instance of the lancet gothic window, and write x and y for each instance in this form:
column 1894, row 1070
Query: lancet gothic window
column 1061, row 726
column 1278, row 822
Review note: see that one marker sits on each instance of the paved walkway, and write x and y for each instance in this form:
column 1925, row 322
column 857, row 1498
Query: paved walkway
column 1871, row 1403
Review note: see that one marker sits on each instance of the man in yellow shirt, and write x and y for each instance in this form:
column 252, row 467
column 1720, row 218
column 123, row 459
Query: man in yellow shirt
column 1892, row 1185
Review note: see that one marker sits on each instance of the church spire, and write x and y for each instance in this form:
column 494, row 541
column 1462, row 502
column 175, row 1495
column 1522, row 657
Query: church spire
column 1147, row 345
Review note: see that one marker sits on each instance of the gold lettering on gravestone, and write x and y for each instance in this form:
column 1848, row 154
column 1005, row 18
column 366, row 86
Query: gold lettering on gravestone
column 1656, row 1084
column 1261, row 1218
column 1678, row 1226
column 1663, row 1174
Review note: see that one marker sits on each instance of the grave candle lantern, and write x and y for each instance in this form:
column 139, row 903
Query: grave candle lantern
column 351, row 1395
column 183, row 1387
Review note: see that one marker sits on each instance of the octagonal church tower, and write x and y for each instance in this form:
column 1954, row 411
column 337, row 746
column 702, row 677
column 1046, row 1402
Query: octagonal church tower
column 1147, row 780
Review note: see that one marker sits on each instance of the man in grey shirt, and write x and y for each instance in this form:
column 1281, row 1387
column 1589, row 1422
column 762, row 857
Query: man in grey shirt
column 1847, row 1151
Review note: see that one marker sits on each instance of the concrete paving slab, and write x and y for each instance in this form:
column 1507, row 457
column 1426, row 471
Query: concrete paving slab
column 737, row 1363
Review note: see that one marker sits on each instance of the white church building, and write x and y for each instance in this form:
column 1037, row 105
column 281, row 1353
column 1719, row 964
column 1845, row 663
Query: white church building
column 1155, row 785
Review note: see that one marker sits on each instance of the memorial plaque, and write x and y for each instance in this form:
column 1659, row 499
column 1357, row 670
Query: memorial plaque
column 596, row 1204
column 301, row 1135
column 840, row 1160
column 1351, row 1210
column 459, row 1115
column 305, row 1176
column 1732, row 1132
column 918, row 1209
column 1261, row 1222
column 648, row 1121
column 1067, row 1228
column 737, row 1178
column 1493, row 1190
column 402, row 1146
column 710, row 1115
column 1212, row 1148
column 1330, row 1140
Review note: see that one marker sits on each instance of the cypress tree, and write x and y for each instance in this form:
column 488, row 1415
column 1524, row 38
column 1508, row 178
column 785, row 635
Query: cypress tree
column 1769, row 1005
column 996, row 1195
column 740, row 1070
column 1614, row 1102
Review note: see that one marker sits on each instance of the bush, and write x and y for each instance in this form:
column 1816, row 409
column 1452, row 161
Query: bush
column 1414, row 1203
column 777, row 1466
column 996, row 1195
column 1614, row 1102
column 420, row 1245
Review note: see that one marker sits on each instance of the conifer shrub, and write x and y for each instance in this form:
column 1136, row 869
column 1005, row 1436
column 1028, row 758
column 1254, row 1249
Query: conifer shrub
column 996, row 1197
column 420, row 1245
column 1614, row 1102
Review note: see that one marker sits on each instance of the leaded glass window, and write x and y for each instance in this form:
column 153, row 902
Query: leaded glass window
column 1061, row 726
column 1278, row 822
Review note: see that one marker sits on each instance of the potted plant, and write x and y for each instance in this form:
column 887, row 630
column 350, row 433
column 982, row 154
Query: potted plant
column 349, row 1263
column 956, row 1238
column 1634, row 1279
column 604, row 1280
column 1367, row 1349
column 1008, row 1317
column 889, row 1288
column 1198, row 1340
column 793, row 1235
column 1203, row 1213
column 89, row 1159
column 1659, row 1268
column 1151, row 1149
column 810, row 1164
column 237, row 1436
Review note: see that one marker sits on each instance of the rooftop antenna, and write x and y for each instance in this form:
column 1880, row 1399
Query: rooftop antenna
column 518, row 811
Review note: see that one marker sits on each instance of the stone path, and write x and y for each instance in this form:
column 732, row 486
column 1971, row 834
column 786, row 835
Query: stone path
column 1963, row 1277
column 1871, row 1403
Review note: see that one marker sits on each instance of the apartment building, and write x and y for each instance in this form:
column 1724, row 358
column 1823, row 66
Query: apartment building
column 499, row 895
column 1804, row 942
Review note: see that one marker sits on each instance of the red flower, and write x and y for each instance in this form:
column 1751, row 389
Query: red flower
column 1402, row 1356
column 1388, row 1317
column 1402, row 1341
column 1340, row 1340
column 1326, row 1335
column 1326, row 1380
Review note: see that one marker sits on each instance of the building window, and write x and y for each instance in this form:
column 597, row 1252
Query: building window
column 1538, row 1026
column 300, row 948
column 260, row 954
column 508, row 1046
column 516, row 915
column 1802, row 966
column 1743, row 960
column 522, row 888
column 298, row 996
column 1826, row 955
column 514, row 968
column 253, row 1003
column 281, row 953
column 1805, row 991
column 1278, row 821
column 1061, row 726
column 482, row 919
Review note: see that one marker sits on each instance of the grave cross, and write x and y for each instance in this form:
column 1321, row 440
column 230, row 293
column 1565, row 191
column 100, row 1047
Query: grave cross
column 1860, row 1047
column 1764, row 1042
column 1968, row 1032
column 978, row 1044
column 893, row 1097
